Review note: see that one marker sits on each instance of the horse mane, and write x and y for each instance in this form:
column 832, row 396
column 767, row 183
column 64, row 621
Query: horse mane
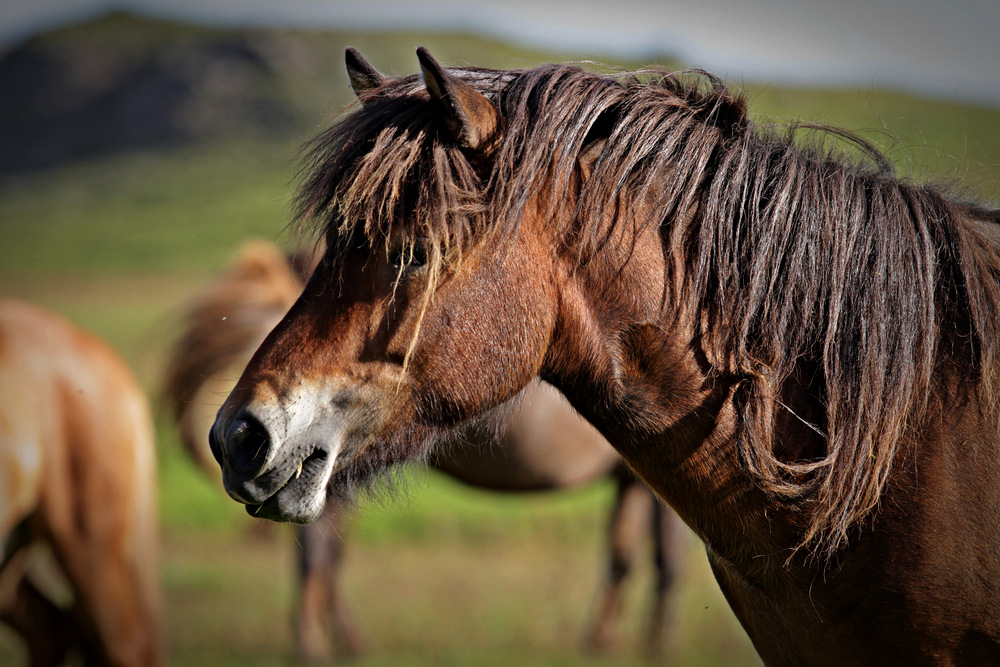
column 790, row 252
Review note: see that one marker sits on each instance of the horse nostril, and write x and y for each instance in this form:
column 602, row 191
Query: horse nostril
column 246, row 445
column 215, row 445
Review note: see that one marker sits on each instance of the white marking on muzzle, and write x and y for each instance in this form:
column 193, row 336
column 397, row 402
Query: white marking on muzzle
column 299, row 423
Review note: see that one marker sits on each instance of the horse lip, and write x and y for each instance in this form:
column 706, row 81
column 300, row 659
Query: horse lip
column 285, row 503
column 251, row 491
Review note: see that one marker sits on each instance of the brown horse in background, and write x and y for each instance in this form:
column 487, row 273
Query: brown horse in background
column 543, row 445
column 794, row 348
column 77, row 473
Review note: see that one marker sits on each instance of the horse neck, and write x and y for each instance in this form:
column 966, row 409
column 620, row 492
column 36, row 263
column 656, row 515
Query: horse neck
column 626, row 356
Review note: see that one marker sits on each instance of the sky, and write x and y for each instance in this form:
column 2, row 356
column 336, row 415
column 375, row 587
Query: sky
column 943, row 48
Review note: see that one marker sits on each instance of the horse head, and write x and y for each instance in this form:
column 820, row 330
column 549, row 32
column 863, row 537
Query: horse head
column 419, row 317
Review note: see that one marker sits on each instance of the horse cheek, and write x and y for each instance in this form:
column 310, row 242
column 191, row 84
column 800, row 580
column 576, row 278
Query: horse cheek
column 488, row 340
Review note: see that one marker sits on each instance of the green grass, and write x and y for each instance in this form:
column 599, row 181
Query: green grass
column 439, row 574
column 162, row 212
column 927, row 140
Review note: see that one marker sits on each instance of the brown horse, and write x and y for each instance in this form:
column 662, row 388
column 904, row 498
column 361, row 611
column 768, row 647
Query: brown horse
column 542, row 446
column 78, row 473
column 794, row 348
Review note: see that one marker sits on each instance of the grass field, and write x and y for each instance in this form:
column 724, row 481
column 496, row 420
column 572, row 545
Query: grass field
column 441, row 574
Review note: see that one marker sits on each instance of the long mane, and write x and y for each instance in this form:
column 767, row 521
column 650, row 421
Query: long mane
column 790, row 253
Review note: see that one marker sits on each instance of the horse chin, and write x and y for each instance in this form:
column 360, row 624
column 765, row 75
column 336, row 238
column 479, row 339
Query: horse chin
column 302, row 498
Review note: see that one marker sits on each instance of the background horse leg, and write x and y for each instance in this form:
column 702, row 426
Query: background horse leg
column 110, row 602
column 668, row 554
column 48, row 632
column 99, row 519
column 321, row 605
column 629, row 517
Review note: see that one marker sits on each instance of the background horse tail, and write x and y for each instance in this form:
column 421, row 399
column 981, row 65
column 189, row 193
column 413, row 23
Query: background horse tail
column 77, row 438
column 225, row 324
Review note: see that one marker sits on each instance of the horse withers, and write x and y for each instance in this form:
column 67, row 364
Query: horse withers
column 794, row 348
column 77, row 473
column 541, row 446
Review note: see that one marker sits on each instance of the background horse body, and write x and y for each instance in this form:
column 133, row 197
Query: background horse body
column 78, row 473
column 796, row 350
column 540, row 445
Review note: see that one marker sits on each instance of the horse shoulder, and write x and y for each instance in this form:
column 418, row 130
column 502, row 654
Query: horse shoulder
column 951, row 522
column 930, row 558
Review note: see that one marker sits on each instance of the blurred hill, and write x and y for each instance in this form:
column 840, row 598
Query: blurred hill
column 122, row 83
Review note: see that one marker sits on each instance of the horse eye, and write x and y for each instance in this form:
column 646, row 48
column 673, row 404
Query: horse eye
column 410, row 257
column 419, row 257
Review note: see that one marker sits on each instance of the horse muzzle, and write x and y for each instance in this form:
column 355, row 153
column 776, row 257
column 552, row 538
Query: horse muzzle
column 277, row 474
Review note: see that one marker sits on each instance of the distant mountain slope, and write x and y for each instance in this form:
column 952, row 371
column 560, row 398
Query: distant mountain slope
column 123, row 83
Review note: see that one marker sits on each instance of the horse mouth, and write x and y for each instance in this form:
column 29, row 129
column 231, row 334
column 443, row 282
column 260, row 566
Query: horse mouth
column 302, row 497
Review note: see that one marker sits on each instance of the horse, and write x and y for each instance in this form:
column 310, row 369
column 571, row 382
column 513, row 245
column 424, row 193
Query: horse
column 78, row 464
column 793, row 346
column 542, row 446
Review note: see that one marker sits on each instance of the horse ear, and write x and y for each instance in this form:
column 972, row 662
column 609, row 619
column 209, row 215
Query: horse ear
column 587, row 158
column 470, row 117
column 595, row 142
column 364, row 77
